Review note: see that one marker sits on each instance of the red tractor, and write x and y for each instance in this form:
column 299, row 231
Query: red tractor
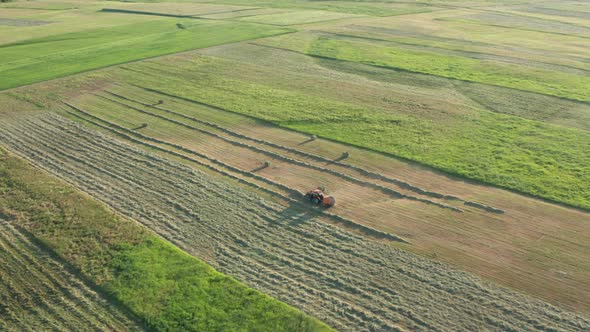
column 318, row 197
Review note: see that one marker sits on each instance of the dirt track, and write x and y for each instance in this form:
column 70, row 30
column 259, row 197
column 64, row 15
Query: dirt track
column 347, row 280
column 38, row 293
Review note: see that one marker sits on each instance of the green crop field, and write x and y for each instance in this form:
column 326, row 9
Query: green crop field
column 154, row 156
column 555, row 83
column 39, row 59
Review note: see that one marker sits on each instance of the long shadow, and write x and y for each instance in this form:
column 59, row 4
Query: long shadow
column 311, row 139
column 259, row 168
column 296, row 214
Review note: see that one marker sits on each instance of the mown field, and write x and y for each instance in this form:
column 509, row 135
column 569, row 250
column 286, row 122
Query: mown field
column 242, row 235
column 369, row 188
column 373, row 8
column 416, row 123
column 76, row 243
column 153, row 156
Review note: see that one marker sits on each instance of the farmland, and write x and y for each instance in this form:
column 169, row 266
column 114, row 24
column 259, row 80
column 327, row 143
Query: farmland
column 38, row 59
column 154, row 156
column 334, row 258
column 62, row 248
column 505, row 157
column 56, row 299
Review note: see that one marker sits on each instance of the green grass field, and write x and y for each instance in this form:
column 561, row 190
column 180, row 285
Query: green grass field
column 39, row 59
column 165, row 287
column 575, row 87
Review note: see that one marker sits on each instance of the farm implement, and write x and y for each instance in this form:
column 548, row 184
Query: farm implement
column 318, row 197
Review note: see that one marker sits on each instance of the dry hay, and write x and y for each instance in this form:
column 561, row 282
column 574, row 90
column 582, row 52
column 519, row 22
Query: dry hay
column 346, row 280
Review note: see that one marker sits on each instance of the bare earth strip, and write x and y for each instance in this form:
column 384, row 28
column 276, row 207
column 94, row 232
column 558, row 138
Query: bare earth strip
column 346, row 280
column 38, row 293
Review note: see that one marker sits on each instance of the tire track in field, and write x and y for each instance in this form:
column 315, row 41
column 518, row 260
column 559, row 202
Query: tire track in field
column 40, row 293
column 338, row 276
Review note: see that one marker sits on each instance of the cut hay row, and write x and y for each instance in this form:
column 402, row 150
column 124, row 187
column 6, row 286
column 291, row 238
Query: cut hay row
column 128, row 134
column 360, row 170
column 383, row 189
column 130, row 187
column 342, row 278
column 39, row 292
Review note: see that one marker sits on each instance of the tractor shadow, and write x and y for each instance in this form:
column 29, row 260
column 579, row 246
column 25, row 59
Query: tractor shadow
column 296, row 214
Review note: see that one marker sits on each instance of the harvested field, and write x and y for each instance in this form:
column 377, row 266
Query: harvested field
column 374, row 8
column 273, row 247
column 42, row 57
column 391, row 117
column 244, row 13
column 554, row 12
column 167, row 190
column 38, row 292
column 440, row 216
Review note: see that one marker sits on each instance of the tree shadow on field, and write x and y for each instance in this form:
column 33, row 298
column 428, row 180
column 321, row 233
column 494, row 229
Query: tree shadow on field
column 296, row 214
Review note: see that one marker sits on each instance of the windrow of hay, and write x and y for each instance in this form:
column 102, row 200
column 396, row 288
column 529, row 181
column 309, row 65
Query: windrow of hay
column 121, row 131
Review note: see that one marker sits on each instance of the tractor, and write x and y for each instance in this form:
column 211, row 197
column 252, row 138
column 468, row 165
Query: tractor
column 319, row 198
